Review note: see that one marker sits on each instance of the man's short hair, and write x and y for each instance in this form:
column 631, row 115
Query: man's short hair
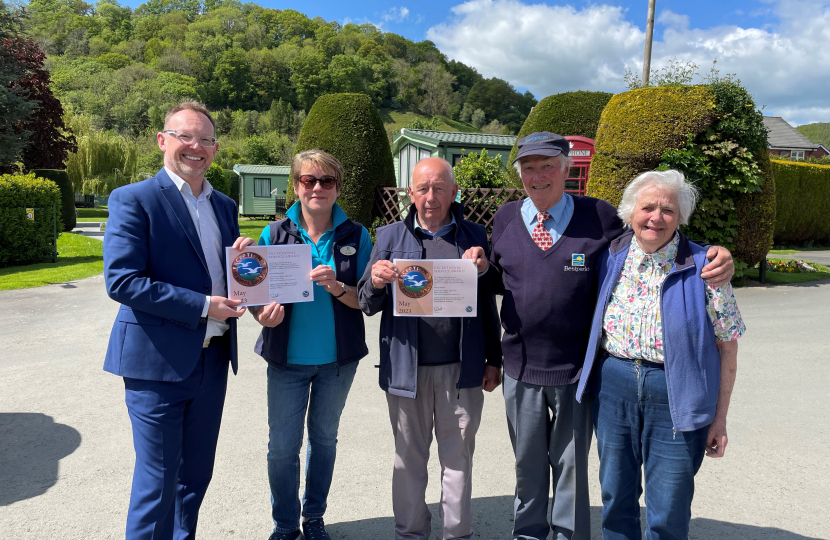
column 324, row 160
column 190, row 105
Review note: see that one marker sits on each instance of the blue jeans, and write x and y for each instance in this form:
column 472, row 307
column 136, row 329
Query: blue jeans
column 322, row 390
column 634, row 429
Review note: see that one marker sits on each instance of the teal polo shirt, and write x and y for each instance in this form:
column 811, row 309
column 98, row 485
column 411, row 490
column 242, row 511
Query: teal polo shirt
column 311, row 338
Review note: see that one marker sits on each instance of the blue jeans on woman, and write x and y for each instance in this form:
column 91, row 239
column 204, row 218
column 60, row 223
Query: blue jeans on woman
column 322, row 390
column 634, row 429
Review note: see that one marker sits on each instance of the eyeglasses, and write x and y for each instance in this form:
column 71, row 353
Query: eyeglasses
column 188, row 138
column 308, row 181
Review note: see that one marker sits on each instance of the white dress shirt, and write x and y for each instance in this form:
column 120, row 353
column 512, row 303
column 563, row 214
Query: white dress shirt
column 204, row 220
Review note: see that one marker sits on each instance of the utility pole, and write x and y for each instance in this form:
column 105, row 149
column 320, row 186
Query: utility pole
column 649, row 36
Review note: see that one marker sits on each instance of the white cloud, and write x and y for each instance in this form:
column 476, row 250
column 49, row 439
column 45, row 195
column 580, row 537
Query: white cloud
column 552, row 49
column 395, row 14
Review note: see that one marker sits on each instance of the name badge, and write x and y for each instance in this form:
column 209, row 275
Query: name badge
column 348, row 250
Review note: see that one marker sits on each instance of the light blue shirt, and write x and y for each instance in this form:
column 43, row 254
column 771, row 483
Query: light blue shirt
column 311, row 338
column 441, row 232
column 560, row 215
column 204, row 220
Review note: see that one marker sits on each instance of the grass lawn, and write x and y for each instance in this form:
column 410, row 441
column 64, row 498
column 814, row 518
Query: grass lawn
column 783, row 251
column 78, row 257
column 93, row 214
column 252, row 228
column 395, row 119
column 784, row 278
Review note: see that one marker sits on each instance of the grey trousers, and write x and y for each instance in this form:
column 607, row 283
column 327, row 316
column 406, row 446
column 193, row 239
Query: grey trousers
column 456, row 415
column 551, row 434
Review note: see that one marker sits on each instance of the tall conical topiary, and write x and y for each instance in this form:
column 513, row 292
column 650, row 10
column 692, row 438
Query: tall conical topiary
column 349, row 127
column 569, row 113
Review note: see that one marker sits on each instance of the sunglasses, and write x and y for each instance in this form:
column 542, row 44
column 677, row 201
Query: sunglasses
column 308, row 181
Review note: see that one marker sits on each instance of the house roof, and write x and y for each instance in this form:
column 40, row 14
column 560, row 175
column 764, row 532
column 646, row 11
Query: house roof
column 783, row 135
column 262, row 169
column 459, row 138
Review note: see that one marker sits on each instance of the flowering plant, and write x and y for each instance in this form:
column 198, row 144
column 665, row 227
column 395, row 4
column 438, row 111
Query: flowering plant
column 790, row 266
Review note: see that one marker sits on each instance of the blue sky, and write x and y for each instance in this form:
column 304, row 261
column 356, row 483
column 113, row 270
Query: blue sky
column 777, row 48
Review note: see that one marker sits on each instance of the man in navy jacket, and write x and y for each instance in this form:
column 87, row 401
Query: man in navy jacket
column 175, row 332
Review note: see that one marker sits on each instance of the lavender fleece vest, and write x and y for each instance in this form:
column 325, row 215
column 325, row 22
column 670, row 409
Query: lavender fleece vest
column 549, row 295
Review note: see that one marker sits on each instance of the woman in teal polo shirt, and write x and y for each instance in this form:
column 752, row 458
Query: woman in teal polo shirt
column 312, row 348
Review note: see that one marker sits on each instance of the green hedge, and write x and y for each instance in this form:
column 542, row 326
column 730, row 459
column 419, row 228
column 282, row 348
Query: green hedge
column 218, row 180
column 67, row 210
column 802, row 202
column 349, row 127
column 569, row 113
column 23, row 241
column 233, row 185
column 715, row 135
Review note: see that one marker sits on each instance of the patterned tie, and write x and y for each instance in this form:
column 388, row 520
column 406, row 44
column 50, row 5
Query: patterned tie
column 541, row 235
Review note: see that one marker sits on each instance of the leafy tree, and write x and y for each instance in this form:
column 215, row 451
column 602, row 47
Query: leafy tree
column 436, row 88
column 424, row 123
column 478, row 118
column 500, row 101
column 477, row 169
column 47, row 144
column 232, row 74
column 103, row 162
column 15, row 109
column 217, row 178
column 114, row 61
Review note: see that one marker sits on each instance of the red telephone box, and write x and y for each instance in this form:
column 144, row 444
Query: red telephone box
column 582, row 148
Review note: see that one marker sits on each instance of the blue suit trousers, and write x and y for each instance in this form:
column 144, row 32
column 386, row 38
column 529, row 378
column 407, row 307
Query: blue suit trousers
column 175, row 429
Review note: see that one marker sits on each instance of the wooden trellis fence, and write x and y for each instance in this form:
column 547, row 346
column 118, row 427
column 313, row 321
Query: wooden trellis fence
column 480, row 204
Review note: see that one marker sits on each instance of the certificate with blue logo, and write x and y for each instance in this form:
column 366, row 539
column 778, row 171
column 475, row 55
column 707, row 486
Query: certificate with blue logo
column 435, row 288
column 259, row 275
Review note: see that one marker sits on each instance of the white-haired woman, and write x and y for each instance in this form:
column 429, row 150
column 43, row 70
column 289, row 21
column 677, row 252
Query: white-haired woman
column 661, row 362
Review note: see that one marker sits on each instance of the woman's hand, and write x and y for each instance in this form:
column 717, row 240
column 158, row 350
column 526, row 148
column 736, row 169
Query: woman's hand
column 270, row 315
column 324, row 276
column 716, row 439
column 383, row 273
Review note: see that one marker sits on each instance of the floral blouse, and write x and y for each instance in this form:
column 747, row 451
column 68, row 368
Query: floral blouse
column 632, row 324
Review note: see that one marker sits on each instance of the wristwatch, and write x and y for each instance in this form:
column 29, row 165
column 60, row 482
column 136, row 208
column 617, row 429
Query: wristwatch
column 345, row 290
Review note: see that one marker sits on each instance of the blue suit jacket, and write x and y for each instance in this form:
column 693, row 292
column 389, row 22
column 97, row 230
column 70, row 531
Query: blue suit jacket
column 155, row 268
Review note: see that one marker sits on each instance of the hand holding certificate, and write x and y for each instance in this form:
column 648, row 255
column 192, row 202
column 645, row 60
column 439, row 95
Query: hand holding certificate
column 435, row 288
column 259, row 275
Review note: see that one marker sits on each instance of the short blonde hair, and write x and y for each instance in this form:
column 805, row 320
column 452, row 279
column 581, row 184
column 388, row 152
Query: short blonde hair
column 190, row 105
column 324, row 160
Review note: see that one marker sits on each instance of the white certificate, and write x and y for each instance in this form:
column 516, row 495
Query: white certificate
column 435, row 288
column 259, row 275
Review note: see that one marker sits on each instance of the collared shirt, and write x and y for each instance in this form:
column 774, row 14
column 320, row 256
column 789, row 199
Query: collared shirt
column 449, row 227
column 311, row 338
column 560, row 216
column 632, row 322
column 204, row 220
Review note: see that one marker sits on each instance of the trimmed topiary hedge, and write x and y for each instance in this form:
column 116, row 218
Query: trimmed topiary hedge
column 569, row 113
column 233, row 185
column 217, row 178
column 24, row 241
column 714, row 134
column 67, row 211
column 802, row 202
column 349, row 127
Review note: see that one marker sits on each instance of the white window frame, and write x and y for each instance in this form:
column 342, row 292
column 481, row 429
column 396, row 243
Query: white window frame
column 258, row 183
column 797, row 154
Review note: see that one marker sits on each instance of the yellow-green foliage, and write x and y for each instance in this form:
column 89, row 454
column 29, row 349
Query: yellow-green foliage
column 349, row 127
column 638, row 126
column 569, row 113
column 803, row 202
column 24, row 241
column 756, row 215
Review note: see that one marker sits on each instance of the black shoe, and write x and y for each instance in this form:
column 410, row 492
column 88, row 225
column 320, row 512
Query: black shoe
column 293, row 535
column 314, row 529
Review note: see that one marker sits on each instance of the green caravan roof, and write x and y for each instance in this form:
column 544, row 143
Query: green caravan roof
column 262, row 169
column 452, row 138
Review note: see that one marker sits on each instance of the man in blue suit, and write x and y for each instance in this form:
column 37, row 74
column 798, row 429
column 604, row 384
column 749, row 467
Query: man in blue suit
column 175, row 333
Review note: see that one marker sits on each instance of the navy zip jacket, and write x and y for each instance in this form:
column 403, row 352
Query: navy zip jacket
column 349, row 330
column 692, row 361
column 480, row 342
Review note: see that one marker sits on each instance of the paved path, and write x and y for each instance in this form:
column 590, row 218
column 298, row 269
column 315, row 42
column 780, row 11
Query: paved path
column 66, row 456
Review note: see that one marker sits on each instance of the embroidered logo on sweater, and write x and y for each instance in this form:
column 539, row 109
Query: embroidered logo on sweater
column 578, row 259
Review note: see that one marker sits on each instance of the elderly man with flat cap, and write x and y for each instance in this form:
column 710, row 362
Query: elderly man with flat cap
column 546, row 249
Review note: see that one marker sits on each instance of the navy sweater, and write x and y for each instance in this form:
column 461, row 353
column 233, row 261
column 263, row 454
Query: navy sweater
column 549, row 296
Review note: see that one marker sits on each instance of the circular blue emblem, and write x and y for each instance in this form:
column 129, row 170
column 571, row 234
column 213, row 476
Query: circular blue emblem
column 415, row 281
column 249, row 269
column 469, row 309
column 305, row 294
